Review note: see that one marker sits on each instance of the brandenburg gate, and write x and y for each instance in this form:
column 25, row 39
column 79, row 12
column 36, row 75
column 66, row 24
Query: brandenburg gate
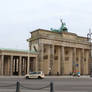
column 61, row 52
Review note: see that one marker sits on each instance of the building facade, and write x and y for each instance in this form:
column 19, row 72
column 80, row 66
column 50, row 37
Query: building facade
column 52, row 52
column 60, row 53
column 17, row 62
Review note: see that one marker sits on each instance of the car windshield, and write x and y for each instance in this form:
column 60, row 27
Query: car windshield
column 39, row 72
column 32, row 73
column 35, row 73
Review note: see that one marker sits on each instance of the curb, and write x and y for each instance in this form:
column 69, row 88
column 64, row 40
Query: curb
column 65, row 77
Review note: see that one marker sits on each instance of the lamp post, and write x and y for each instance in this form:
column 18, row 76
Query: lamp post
column 89, row 35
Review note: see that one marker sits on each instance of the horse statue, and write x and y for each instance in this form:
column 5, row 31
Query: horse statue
column 63, row 28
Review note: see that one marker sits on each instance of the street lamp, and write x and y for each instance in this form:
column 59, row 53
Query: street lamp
column 89, row 35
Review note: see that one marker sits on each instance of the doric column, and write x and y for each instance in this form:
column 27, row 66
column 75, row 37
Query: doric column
column 79, row 61
column 41, row 56
column 25, row 65
column 87, row 62
column 11, row 65
column 62, row 60
column 28, row 63
column 17, row 65
column 49, row 67
column 2, row 64
column 20, row 63
column 74, row 59
column 36, row 63
column 82, row 62
column 8, row 66
column 59, row 59
column 40, row 66
column 52, row 58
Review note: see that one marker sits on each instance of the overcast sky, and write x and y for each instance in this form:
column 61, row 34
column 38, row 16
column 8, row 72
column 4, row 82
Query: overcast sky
column 19, row 17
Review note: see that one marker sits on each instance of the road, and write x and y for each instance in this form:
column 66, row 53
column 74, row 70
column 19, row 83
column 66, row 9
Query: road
column 60, row 84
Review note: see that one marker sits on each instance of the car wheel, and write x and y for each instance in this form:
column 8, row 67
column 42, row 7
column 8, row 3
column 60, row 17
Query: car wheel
column 27, row 77
column 39, row 77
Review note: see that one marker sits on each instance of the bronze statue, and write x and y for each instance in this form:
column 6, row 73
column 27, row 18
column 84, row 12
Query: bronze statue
column 63, row 28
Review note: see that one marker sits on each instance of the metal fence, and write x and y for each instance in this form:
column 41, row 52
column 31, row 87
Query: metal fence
column 19, row 86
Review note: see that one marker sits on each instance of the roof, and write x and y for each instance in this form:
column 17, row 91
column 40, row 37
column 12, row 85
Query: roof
column 18, row 50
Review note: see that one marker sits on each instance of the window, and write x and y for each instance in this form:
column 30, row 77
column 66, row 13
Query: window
column 56, row 57
column 46, row 57
column 44, row 50
column 66, row 52
column 55, row 51
column 84, row 59
column 77, row 59
column 66, row 58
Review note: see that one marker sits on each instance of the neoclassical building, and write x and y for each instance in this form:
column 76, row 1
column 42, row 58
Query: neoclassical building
column 60, row 52
column 17, row 62
column 51, row 51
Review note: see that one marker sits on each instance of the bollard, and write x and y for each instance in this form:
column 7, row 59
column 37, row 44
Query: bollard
column 18, row 86
column 51, row 87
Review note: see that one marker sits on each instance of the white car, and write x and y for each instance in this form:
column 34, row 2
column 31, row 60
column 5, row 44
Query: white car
column 39, row 75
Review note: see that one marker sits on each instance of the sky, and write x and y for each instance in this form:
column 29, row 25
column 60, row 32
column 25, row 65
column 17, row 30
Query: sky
column 20, row 17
